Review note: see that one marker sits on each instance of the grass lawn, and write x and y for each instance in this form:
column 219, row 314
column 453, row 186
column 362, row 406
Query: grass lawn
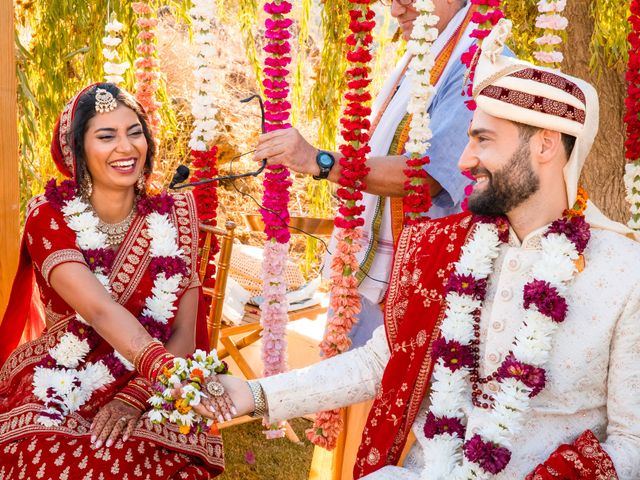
column 272, row 459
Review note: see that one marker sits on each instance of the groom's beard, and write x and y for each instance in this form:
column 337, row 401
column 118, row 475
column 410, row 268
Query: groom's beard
column 506, row 188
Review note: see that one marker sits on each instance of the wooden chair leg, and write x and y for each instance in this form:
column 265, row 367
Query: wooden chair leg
column 237, row 357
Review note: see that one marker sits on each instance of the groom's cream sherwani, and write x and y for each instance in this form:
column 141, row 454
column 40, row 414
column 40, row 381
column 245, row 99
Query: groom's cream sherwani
column 593, row 376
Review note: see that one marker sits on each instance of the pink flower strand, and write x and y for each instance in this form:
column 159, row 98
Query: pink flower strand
column 550, row 22
column 488, row 14
column 147, row 74
column 275, row 213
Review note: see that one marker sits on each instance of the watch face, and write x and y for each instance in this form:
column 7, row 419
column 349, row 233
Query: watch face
column 325, row 160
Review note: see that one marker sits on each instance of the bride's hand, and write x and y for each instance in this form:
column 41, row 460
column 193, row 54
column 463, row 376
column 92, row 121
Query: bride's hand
column 236, row 400
column 114, row 419
column 216, row 402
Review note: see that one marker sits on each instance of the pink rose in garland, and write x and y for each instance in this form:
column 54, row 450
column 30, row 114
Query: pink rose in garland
column 147, row 74
column 345, row 301
column 276, row 190
column 486, row 16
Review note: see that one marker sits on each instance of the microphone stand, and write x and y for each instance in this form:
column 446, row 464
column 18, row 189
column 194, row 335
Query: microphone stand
column 178, row 178
column 175, row 186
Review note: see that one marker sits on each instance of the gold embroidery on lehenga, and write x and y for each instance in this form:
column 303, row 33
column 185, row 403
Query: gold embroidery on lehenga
column 58, row 257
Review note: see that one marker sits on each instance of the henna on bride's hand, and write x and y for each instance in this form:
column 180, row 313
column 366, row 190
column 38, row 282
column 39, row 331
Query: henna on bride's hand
column 219, row 397
column 116, row 418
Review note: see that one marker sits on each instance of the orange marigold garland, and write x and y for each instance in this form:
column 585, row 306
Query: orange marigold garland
column 147, row 74
column 345, row 299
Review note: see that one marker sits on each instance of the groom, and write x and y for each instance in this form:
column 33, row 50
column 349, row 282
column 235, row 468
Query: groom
column 526, row 364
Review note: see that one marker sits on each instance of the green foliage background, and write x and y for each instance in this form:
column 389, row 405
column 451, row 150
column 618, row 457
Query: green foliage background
column 59, row 50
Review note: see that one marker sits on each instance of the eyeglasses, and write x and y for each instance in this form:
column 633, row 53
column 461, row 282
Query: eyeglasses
column 404, row 3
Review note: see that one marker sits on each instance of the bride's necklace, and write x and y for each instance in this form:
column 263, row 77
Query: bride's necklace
column 116, row 232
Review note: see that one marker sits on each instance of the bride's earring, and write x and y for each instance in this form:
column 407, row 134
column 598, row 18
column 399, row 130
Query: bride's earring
column 87, row 186
column 141, row 184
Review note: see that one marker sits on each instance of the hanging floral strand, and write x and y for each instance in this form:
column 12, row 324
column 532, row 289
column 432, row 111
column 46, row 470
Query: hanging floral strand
column 488, row 14
column 147, row 64
column 418, row 201
column 345, row 300
column 552, row 23
column 276, row 192
column 204, row 111
column 113, row 68
column 632, row 118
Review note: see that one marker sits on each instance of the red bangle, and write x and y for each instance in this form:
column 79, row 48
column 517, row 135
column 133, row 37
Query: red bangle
column 152, row 359
column 136, row 393
column 130, row 400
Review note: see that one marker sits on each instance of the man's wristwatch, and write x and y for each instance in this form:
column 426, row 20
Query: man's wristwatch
column 325, row 161
column 260, row 403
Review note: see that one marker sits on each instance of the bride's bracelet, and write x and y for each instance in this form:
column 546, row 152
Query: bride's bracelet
column 152, row 359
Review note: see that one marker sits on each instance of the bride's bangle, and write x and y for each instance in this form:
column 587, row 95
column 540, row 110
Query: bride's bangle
column 259, row 400
column 152, row 359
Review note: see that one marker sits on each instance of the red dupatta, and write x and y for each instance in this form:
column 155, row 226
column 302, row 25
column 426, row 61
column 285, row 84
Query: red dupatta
column 414, row 309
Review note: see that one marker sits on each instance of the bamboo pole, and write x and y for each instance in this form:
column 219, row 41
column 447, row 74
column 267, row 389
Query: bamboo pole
column 9, row 184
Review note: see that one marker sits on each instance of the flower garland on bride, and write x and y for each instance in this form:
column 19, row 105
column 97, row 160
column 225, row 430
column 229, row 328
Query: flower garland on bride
column 345, row 299
column 63, row 380
column 521, row 376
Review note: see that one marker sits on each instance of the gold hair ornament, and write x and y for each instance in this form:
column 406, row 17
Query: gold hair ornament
column 105, row 101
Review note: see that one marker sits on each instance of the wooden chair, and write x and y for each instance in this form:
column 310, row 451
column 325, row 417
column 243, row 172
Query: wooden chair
column 250, row 328
column 225, row 237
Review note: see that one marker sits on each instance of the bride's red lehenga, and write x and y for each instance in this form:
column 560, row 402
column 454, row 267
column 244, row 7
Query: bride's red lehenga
column 31, row 450
column 37, row 317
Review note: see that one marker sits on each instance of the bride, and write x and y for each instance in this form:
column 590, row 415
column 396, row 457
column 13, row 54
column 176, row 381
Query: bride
column 114, row 270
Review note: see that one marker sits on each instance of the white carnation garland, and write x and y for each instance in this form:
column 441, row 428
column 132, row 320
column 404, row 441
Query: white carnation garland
column 203, row 102
column 68, row 386
column 423, row 34
column 451, row 389
column 114, row 69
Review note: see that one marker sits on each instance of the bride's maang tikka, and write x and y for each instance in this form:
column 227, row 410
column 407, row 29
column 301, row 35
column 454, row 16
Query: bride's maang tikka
column 105, row 101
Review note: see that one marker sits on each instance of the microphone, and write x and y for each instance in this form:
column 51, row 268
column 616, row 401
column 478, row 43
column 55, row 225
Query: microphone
column 182, row 173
